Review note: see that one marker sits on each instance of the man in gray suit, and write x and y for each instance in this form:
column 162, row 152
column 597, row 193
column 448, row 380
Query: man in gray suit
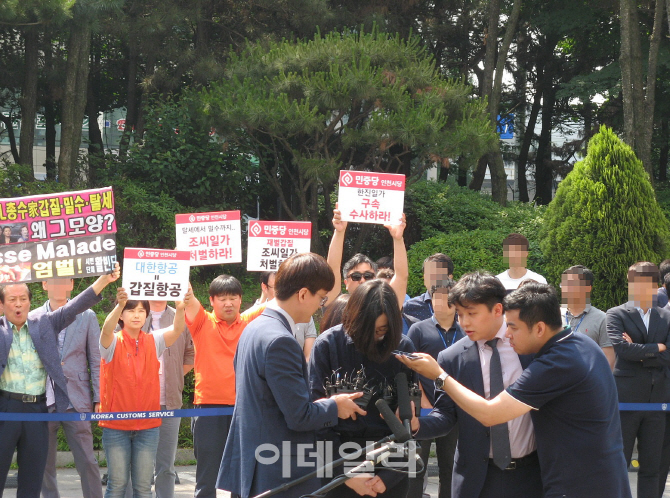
column 80, row 359
column 28, row 353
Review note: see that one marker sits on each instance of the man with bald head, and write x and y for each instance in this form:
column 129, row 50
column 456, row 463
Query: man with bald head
column 28, row 354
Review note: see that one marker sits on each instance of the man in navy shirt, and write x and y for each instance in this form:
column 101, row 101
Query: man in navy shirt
column 432, row 336
column 436, row 268
column 569, row 390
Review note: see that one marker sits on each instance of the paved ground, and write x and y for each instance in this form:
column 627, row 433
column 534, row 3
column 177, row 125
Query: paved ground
column 69, row 487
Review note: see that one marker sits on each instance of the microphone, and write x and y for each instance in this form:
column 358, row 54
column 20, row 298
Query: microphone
column 399, row 431
column 404, row 405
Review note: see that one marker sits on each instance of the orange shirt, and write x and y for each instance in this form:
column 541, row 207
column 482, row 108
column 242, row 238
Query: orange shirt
column 215, row 345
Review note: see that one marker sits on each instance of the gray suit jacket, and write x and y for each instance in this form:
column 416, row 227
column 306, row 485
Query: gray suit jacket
column 81, row 353
column 641, row 371
column 44, row 328
column 181, row 353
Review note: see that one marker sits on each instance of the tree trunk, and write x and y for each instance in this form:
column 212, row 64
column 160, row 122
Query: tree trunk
column 131, row 92
column 9, row 126
column 665, row 151
column 29, row 95
column 479, row 173
column 462, row 175
column 527, row 142
column 74, row 101
column 521, row 83
column 49, row 114
column 96, row 153
column 543, row 171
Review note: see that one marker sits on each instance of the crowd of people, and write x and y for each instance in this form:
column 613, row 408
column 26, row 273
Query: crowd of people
column 523, row 390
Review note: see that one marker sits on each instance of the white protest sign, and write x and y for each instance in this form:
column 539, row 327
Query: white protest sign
column 155, row 274
column 210, row 238
column 366, row 197
column 271, row 242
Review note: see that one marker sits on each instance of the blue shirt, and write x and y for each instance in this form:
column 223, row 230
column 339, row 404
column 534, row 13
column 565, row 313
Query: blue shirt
column 417, row 309
column 570, row 387
column 429, row 337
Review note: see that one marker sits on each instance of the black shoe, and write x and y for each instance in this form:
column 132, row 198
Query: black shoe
column 176, row 478
column 104, row 479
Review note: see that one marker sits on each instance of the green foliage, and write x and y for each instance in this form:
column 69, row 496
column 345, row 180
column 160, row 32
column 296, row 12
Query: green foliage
column 468, row 227
column 605, row 216
column 178, row 158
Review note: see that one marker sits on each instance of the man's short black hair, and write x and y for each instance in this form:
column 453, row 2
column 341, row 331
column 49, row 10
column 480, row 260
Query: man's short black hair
column 265, row 276
column 385, row 262
column 643, row 269
column 2, row 292
column 477, row 288
column 225, row 285
column 516, row 239
column 356, row 260
column 443, row 261
column 536, row 302
column 583, row 272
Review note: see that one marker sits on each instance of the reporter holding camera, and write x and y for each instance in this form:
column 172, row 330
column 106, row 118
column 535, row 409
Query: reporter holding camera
column 370, row 332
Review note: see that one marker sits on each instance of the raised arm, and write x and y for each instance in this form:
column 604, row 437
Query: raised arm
column 335, row 253
column 400, row 266
column 179, row 325
column 193, row 305
column 112, row 320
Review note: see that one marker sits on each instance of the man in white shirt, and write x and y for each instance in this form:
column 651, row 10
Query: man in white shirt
column 515, row 253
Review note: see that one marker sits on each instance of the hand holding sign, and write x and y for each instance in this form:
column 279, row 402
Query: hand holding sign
column 338, row 224
column 397, row 231
column 121, row 297
column 115, row 275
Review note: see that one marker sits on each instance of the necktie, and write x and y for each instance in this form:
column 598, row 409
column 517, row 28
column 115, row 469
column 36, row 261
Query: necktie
column 502, row 454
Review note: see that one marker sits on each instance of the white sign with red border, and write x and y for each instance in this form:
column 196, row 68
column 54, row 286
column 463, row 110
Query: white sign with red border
column 366, row 197
column 210, row 238
column 155, row 274
column 271, row 242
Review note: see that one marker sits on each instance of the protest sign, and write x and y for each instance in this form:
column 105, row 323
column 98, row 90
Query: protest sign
column 155, row 274
column 271, row 242
column 210, row 238
column 62, row 235
column 366, row 197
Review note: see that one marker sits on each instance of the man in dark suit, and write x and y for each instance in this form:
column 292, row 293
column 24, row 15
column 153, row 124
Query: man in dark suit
column 478, row 469
column 78, row 346
column 28, row 353
column 640, row 333
column 273, row 429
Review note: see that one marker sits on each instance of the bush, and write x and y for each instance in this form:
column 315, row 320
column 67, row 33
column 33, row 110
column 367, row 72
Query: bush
column 605, row 216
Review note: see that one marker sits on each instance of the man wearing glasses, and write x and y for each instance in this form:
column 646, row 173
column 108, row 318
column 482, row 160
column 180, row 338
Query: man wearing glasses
column 360, row 268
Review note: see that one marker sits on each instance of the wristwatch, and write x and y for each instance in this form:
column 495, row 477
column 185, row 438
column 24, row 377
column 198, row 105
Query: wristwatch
column 439, row 382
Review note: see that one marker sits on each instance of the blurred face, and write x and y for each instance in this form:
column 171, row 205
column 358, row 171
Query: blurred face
column 157, row 305
column 381, row 327
column 133, row 319
column 515, row 256
column 17, row 304
column 357, row 275
column 269, row 289
column 574, row 289
column 58, row 289
column 433, row 272
column 642, row 290
column 226, row 307
column 523, row 339
column 478, row 321
column 441, row 305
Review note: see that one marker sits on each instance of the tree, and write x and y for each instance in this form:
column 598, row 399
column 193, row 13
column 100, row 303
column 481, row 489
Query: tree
column 605, row 216
column 365, row 101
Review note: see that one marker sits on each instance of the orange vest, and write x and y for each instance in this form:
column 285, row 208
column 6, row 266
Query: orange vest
column 130, row 382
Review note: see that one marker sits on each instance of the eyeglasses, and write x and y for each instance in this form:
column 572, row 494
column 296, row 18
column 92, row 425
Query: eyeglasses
column 356, row 276
column 323, row 302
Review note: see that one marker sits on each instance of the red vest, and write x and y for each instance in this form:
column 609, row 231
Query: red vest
column 130, row 382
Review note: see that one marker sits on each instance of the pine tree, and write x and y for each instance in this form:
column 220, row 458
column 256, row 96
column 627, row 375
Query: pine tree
column 605, row 216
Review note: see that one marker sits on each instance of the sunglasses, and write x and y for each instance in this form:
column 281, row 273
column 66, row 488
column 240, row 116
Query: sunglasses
column 356, row 276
